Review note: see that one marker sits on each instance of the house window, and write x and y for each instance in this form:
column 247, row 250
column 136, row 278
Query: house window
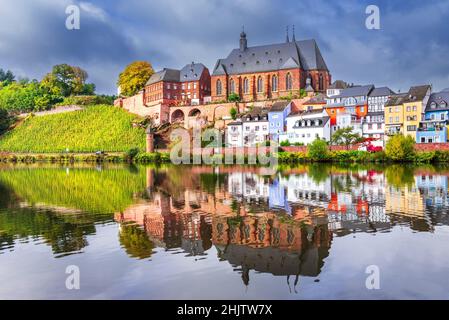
column 264, row 128
column 257, row 128
column 274, row 83
column 218, row 87
column 415, row 108
column 194, row 85
column 442, row 116
column 423, row 140
column 259, row 84
column 232, row 86
column 409, row 109
column 288, row 82
column 246, row 85
column 411, row 128
column 247, row 128
column 397, row 119
column 183, row 86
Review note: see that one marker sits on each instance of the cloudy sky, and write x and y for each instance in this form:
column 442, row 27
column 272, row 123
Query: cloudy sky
column 411, row 47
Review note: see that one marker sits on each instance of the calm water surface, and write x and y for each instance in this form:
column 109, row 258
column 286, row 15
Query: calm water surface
column 175, row 232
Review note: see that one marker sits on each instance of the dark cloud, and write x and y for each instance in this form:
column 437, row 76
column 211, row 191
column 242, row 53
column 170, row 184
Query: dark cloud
column 411, row 47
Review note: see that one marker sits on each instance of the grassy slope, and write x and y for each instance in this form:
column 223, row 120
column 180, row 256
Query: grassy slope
column 96, row 128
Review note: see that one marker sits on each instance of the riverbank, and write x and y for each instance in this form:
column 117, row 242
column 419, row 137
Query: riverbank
column 283, row 157
column 155, row 157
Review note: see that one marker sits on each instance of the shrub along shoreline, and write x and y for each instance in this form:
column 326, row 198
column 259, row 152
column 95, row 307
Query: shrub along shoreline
column 29, row 158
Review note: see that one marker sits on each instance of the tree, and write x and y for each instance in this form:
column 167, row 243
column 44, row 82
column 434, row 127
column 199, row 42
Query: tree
column 346, row 137
column 7, row 76
column 66, row 80
column 134, row 77
column 400, row 148
column 233, row 113
column 5, row 120
column 318, row 150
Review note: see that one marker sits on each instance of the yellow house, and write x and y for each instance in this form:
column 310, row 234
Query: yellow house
column 403, row 112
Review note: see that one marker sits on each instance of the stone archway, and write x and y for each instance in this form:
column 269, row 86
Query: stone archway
column 195, row 113
column 177, row 116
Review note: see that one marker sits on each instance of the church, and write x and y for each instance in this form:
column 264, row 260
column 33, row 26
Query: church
column 270, row 71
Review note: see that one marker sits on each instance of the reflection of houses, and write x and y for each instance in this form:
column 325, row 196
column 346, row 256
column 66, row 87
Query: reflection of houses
column 303, row 189
column 248, row 186
column 404, row 201
column 265, row 244
column 434, row 189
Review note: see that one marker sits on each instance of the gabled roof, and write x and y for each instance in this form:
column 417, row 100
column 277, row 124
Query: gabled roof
column 164, row 75
column 318, row 99
column 192, row 72
column 381, row 92
column 304, row 54
column 279, row 106
column 396, row 99
column 441, row 100
column 417, row 93
column 355, row 91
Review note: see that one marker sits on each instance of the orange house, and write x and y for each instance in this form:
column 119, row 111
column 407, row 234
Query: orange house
column 360, row 111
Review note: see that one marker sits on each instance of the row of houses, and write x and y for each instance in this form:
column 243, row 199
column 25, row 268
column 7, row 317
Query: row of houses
column 375, row 113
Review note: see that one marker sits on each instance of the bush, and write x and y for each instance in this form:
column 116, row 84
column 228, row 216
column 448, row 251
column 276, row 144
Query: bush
column 318, row 150
column 86, row 100
column 441, row 156
column 400, row 148
column 425, row 157
column 233, row 113
column 234, row 97
column 285, row 143
column 131, row 153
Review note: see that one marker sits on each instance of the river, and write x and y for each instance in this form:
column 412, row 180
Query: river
column 199, row 232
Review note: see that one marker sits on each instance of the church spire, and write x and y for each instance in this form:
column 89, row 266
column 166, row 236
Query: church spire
column 288, row 39
column 243, row 41
column 294, row 37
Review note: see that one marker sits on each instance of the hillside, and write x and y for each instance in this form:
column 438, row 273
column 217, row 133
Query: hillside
column 95, row 128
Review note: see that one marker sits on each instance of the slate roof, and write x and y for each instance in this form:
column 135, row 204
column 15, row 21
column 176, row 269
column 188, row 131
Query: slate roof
column 300, row 54
column 355, row 91
column 396, row 99
column 441, row 99
column 190, row 72
column 306, row 113
column 338, row 84
column 318, row 99
column 416, row 93
column 279, row 106
column 322, row 122
column 164, row 75
column 381, row 92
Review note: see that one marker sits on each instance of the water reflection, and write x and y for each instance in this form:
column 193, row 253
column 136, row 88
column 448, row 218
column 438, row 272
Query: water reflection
column 281, row 224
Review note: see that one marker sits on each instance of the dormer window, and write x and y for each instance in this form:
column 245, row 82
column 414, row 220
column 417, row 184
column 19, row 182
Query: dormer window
column 433, row 105
column 269, row 61
column 257, row 62
column 443, row 104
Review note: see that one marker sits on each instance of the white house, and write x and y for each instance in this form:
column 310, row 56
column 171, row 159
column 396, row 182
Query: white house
column 234, row 134
column 374, row 122
column 249, row 130
column 345, row 119
column 305, row 127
